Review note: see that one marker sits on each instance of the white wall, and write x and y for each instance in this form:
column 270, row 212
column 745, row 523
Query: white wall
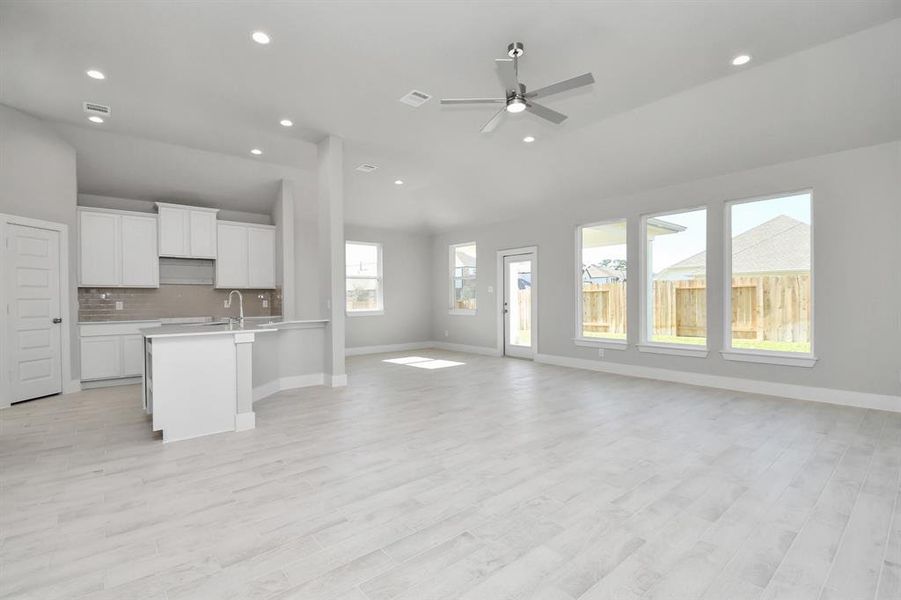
column 38, row 180
column 406, row 264
column 857, row 249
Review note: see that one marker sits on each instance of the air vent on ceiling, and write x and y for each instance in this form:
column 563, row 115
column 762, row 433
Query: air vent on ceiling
column 366, row 168
column 416, row 98
column 97, row 109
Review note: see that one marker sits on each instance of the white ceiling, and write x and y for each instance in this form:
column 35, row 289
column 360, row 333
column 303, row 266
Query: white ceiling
column 667, row 105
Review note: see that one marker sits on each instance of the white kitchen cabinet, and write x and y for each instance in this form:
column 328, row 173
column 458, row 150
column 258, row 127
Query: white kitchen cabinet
column 101, row 357
column 187, row 231
column 112, row 350
column 140, row 259
column 261, row 257
column 117, row 249
column 231, row 260
column 246, row 256
column 99, row 245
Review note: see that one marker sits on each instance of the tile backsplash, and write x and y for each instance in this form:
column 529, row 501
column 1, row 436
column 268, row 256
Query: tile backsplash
column 171, row 300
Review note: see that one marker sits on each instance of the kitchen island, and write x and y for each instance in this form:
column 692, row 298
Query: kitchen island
column 201, row 379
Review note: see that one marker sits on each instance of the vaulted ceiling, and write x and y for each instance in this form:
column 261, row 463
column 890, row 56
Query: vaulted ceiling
column 667, row 106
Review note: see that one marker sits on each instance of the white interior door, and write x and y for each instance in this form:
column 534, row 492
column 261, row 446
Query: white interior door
column 520, row 307
column 34, row 322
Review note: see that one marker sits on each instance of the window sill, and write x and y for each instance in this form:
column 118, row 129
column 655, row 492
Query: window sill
column 675, row 350
column 461, row 312
column 770, row 358
column 364, row 313
column 601, row 343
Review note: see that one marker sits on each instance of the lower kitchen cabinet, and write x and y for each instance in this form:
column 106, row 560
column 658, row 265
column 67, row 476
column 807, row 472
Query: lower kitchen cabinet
column 112, row 350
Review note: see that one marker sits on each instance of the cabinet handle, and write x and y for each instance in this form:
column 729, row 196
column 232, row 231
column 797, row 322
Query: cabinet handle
column 57, row 321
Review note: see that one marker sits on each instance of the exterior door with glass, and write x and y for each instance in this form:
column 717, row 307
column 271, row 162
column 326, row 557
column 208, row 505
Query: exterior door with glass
column 520, row 307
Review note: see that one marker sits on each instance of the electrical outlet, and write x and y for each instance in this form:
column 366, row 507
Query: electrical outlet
column 225, row 304
column 120, row 305
column 600, row 353
column 445, row 333
column 265, row 303
column 490, row 289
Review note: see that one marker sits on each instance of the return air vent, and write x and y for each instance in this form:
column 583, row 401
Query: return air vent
column 92, row 108
column 416, row 98
column 366, row 168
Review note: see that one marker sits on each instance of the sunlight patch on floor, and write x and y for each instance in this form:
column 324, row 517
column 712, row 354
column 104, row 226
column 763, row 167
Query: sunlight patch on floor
column 421, row 362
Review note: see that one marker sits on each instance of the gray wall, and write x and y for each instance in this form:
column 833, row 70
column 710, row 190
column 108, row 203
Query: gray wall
column 857, row 272
column 406, row 260
column 38, row 180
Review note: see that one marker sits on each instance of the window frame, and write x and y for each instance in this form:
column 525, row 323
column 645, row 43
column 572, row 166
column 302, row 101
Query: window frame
column 645, row 316
column 579, row 339
column 452, row 265
column 791, row 359
column 379, row 279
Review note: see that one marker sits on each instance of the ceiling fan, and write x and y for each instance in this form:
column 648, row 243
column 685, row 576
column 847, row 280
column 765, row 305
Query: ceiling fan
column 516, row 99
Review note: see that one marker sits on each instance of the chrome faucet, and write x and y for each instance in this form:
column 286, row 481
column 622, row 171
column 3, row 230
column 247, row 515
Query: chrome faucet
column 228, row 303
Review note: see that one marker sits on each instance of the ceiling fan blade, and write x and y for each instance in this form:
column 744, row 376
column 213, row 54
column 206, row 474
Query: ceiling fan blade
column 506, row 70
column 493, row 121
column 472, row 100
column 545, row 113
column 562, row 86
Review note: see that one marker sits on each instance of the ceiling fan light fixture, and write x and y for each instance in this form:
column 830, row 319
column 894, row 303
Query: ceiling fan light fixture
column 516, row 105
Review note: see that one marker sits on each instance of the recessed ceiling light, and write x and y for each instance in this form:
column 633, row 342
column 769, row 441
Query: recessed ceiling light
column 286, row 123
column 260, row 37
column 398, row 182
column 256, row 151
column 95, row 74
column 528, row 139
column 95, row 119
column 741, row 59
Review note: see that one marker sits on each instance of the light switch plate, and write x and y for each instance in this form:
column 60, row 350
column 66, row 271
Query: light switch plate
column 120, row 305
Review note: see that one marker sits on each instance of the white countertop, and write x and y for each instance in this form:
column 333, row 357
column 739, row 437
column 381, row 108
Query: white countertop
column 250, row 325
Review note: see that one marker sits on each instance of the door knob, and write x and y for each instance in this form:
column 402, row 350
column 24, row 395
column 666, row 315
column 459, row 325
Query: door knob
column 57, row 321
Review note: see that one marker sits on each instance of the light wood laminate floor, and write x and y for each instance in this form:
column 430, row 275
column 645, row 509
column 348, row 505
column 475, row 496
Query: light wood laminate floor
column 491, row 480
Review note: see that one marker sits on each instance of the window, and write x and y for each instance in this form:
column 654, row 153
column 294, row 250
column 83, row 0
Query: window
column 363, row 283
column 676, row 266
column 463, row 278
column 602, row 282
column 770, row 307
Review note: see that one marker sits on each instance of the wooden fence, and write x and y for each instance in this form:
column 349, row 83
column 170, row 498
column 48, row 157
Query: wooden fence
column 769, row 308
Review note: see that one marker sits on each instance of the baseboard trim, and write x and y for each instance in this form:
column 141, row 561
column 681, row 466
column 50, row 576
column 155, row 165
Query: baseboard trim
column 336, row 380
column 287, row 383
column 769, row 388
column 483, row 350
column 404, row 347
column 245, row 421
column 102, row 383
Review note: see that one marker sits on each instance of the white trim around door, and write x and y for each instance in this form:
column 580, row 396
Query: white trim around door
column 532, row 252
column 66, row 383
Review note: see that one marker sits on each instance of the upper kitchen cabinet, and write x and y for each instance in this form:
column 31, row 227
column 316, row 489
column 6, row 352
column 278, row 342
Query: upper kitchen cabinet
column 246, row 256
column 117, row 249
column 187, row 231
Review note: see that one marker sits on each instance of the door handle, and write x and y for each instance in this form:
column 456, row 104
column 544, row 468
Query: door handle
column 57, row 321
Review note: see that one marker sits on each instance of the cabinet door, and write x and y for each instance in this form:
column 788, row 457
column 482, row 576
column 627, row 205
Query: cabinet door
column 100, row 357
column 231, row 259
column 203, row 234
column 140, row 259
column 132, row 355
column 173, row 223
column 261, row 257
column 98, row 239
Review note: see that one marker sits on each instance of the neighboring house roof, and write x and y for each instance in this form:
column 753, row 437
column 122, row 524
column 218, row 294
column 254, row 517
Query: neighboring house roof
column 599, row 272
column 778, row 245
